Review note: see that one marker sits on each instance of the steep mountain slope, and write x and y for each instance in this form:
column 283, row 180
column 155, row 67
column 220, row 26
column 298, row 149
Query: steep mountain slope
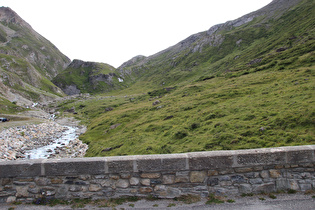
column 247, row 83
column 27, row 61
column 227, row 47
column 89, row 77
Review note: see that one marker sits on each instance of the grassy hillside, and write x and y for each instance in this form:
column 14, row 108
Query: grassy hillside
column 7, row 107
column 262, row 109
column 254, row 89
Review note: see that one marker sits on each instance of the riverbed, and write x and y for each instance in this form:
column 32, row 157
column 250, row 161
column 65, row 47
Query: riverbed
column 46, row 151
column 45, row 140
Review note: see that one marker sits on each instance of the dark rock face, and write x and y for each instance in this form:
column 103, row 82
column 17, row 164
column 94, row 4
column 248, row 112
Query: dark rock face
column 81, row 64
column 101, row 78
column 71, row 90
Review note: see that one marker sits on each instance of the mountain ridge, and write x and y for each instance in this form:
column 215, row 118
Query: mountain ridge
column 213, row 37
column 28, row 62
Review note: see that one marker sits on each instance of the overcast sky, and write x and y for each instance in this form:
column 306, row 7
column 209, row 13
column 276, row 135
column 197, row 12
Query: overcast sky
column 114, row 31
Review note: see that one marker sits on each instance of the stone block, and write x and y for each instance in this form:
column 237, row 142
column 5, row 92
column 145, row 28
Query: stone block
column 134, row 181
column 114, row 177
column 172, row 192
column 6, row 181
column 22, row 168
column 305, row 187
column 125, row 176
column 226, row 171
column 264, row 174
column 84, row 177
column 243, row 170
column 145, row 190
column 250, row 175
column 149, row 163
column 122, row 183
column 22, row 191
column 294, row 185
column 168, row 179
column 107, row 183
column 245, row 188
column 197, row 176
column 261, row 157
column 282, row 184
column 150, row 175
column 274, row 173
column 212, row 181
column 264, row 188
column 213, row 172
column 182, row 177
column 224, row 178
column 174, row 162
column 11, row 199
column 32, row 189
column 238, row 179
column 160, row 188
column 155, row 181
column 256, row 181
column 210, row 160
column 95, row 188
column 118, row 166
column 56, row 181
column 225, row 183
column 145, row 182
column 74, row 166
column 75, row 188
column 42, row 181
column 300, row 156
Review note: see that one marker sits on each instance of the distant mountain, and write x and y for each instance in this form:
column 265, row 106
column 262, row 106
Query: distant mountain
column 89, row 77
column 28, row 61
column 228, row 47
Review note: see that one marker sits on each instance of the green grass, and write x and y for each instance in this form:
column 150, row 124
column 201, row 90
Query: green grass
column 263, row 109
column 7, row 107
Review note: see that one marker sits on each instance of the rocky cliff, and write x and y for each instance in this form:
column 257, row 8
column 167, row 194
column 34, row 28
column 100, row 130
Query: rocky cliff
column 28, row 61
column 89, row 77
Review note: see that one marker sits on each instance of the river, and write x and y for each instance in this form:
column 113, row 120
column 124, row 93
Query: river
column 46, row 151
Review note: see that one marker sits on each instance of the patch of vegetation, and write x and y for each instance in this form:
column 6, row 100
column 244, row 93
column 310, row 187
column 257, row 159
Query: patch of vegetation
column 81, row 203
column 7, row 107
column 212, row 199
column 188, row 199
column 171, row 205
column 291, row 191
column 247, row 194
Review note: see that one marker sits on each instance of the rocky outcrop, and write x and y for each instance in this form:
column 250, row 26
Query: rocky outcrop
column 71, row 90
column 27, row 61
column 88, row 77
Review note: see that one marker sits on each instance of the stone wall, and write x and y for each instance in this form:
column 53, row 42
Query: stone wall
column 164, row 176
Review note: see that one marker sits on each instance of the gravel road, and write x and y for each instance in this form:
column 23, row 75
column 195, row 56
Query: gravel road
column 282, row 201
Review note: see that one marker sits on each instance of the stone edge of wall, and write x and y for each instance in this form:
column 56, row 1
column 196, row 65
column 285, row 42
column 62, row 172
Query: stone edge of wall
column 194, row 161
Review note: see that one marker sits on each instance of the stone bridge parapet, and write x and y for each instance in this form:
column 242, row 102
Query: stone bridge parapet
column 164, row 176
